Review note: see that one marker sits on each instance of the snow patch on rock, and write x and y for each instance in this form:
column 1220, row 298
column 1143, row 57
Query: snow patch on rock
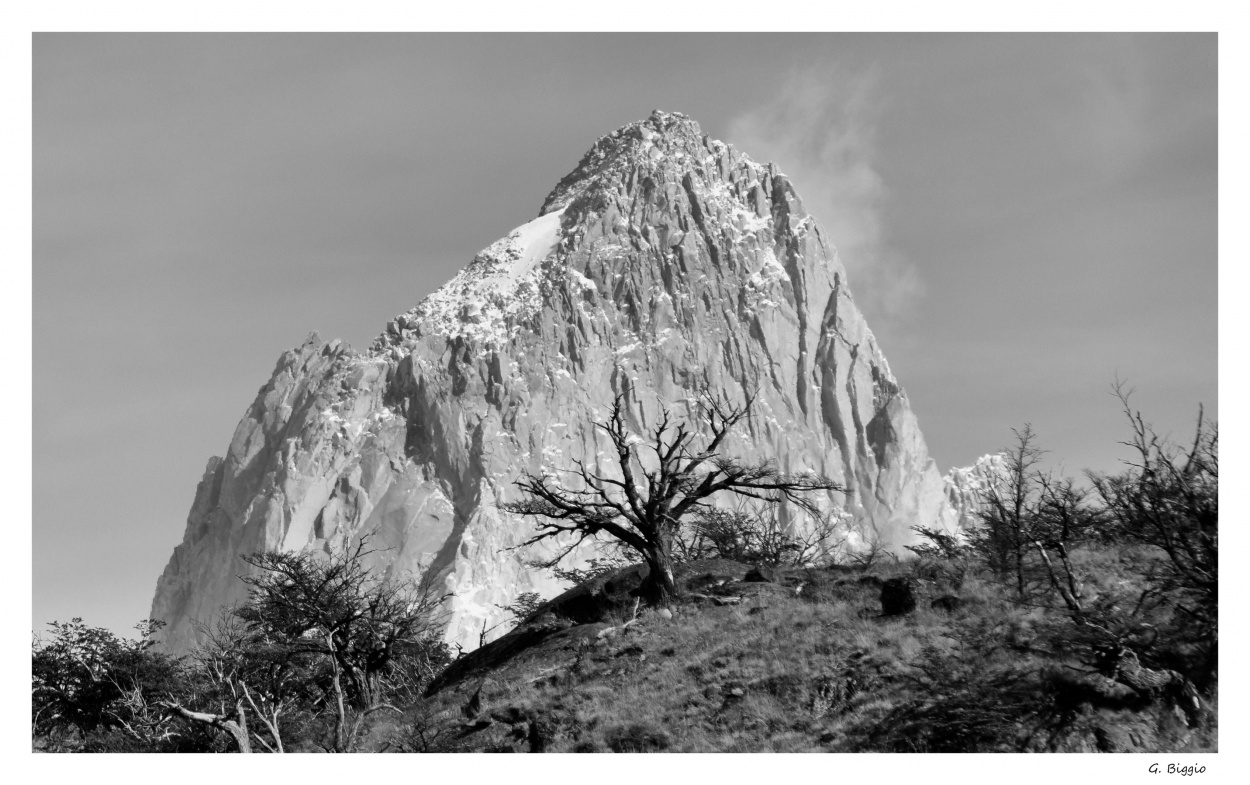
column 487, row 300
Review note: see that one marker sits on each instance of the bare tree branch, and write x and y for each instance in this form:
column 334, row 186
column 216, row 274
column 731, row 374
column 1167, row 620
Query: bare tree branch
column 645, row 507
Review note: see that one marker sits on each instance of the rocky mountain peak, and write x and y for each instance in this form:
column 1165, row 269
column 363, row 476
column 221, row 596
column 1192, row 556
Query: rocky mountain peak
column 665, row 264
column 653, row 193
column 664, row 147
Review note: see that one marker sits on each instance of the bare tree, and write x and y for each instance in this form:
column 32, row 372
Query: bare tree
column 247, row 670
column 643, row 507
column 235, row 725
column 1169, row 499
column 1061, row 517
column 1004, row 536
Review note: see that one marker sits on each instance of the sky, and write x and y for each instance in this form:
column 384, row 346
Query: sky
column 1024, row 218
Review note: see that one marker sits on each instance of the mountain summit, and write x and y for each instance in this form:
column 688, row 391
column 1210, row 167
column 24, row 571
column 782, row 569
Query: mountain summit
column 665, row 263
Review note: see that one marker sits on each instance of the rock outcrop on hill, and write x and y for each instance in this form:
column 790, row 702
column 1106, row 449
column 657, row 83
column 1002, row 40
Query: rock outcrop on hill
column 665, row 263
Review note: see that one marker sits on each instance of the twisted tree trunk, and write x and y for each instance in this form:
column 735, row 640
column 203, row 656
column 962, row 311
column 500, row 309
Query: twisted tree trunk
column 1122, row 665
column 659, row 589
column 236, row 728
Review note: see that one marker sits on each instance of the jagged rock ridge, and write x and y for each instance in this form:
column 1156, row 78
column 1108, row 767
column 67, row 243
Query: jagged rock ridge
column 968, row 486
column 665, row 263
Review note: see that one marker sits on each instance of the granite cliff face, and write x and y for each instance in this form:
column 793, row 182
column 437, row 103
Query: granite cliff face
column 664, row 263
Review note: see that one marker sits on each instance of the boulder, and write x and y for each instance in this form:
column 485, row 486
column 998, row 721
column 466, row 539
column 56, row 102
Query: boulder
column 761, row 573
column 898, row 597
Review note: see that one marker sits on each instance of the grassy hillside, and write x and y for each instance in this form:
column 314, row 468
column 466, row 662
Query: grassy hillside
column 804, row 662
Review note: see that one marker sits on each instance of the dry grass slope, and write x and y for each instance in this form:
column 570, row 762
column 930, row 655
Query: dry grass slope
column 807, row 664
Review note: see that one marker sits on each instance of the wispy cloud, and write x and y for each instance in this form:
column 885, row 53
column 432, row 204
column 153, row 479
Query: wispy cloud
column 820, row 128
